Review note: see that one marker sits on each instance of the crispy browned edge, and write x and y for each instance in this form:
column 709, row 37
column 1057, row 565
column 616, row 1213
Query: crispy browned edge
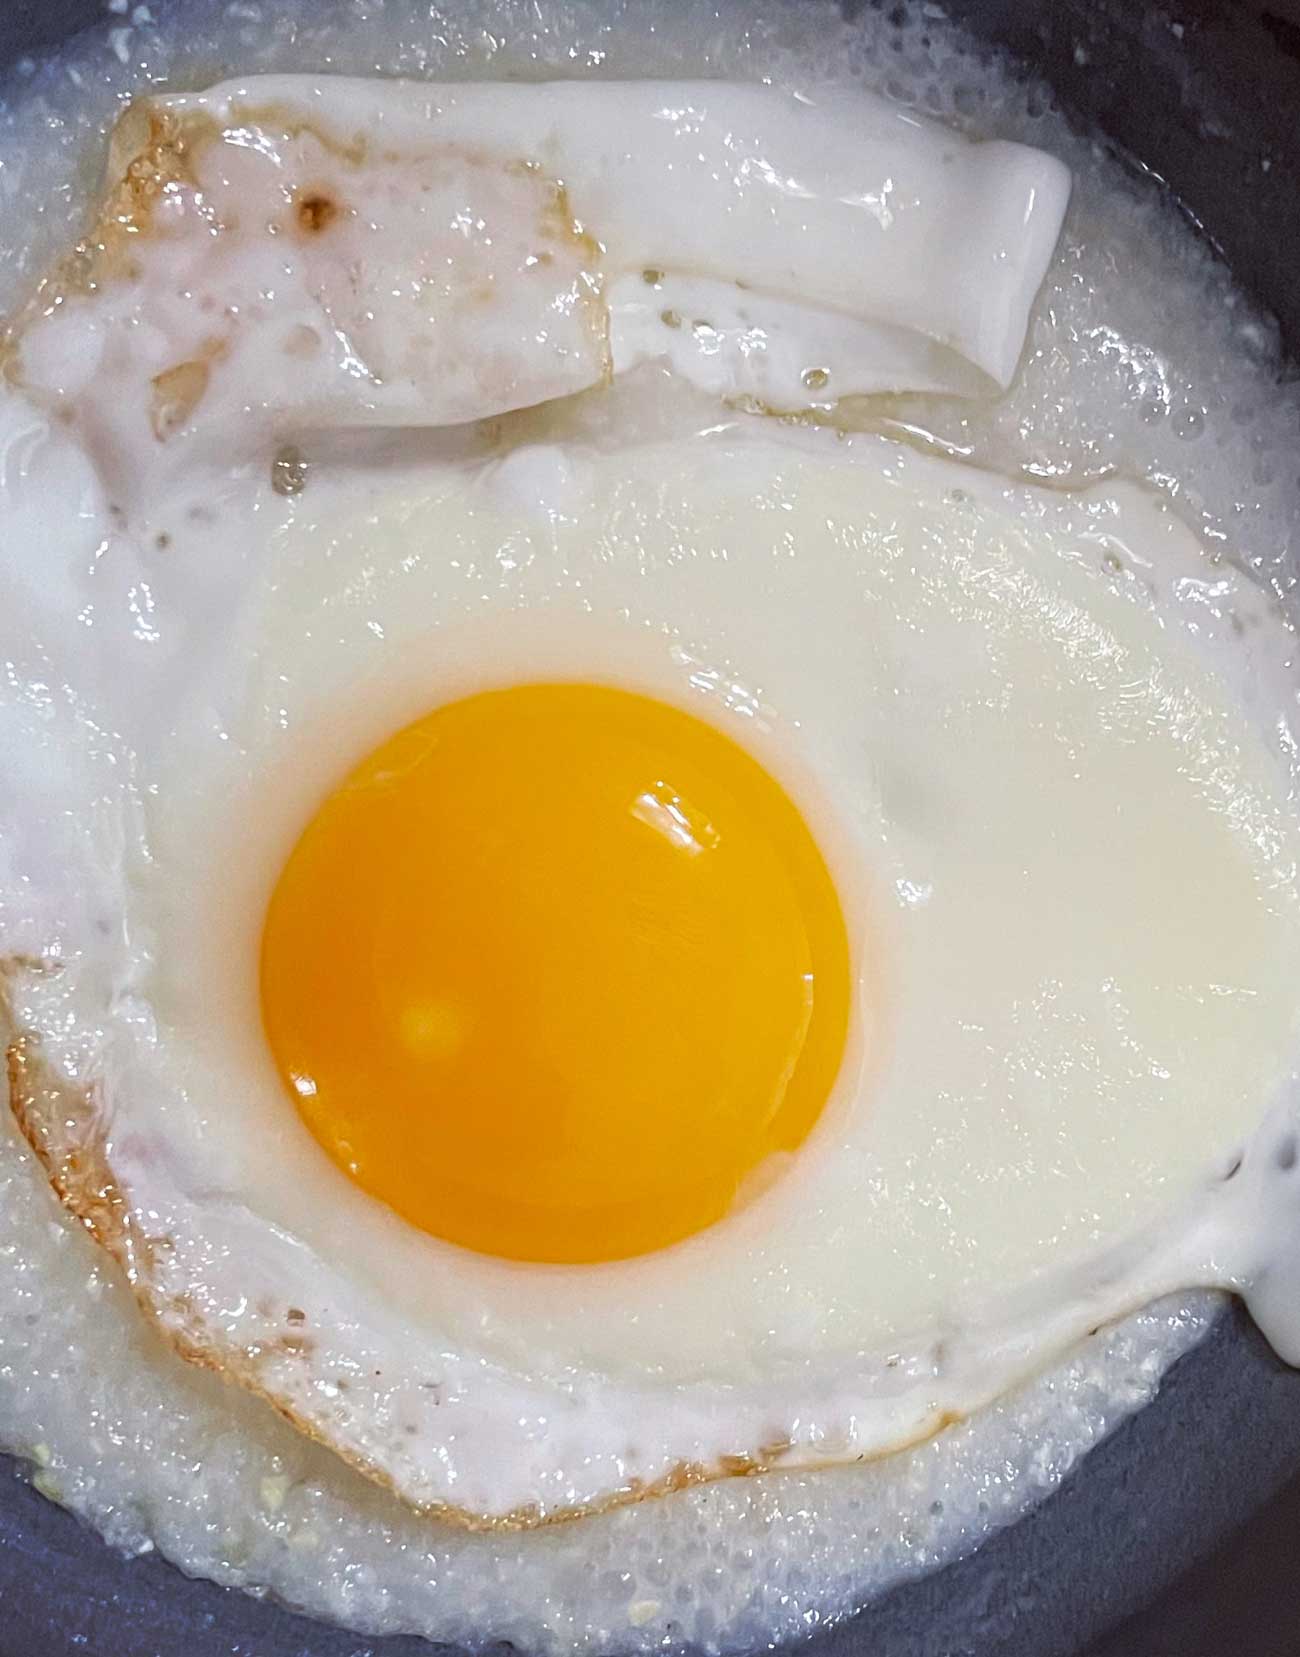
column 61, row 1125
column 149, row 152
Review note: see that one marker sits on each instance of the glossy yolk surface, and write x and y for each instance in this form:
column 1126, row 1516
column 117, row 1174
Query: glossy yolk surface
column 554, row 970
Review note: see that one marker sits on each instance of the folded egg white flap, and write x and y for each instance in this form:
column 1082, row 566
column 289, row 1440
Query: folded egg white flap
column 287, row 253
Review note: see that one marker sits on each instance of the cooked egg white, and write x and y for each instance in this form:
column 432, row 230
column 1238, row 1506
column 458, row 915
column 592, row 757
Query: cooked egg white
column 287, row 253
column 1029, row 734
column 1052, row 1046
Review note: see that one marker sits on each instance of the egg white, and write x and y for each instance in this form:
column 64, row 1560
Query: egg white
column 292, row 254
column 1022, row 774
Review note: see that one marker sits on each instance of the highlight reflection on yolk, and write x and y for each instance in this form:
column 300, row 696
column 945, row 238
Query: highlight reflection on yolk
column 553, row 970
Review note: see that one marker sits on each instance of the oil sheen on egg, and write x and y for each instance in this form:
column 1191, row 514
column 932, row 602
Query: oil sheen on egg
column 956, row 688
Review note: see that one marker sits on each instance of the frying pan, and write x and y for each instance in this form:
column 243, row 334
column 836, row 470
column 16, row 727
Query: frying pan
column 1178, row 1533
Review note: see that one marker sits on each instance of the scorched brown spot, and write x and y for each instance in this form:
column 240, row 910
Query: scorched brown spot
column 176, row 393
column 315, row 211
column 60, row 1123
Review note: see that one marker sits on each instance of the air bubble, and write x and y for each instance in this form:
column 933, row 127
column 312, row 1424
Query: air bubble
column 289, row 471
column 968, row 100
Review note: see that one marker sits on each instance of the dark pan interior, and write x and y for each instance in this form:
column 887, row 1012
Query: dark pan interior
column 1122, row 1561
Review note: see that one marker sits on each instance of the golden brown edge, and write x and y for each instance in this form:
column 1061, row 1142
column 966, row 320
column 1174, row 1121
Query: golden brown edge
column 148, row 152
column 60, row 1124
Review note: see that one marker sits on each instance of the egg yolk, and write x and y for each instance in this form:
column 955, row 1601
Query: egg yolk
column 554, row 970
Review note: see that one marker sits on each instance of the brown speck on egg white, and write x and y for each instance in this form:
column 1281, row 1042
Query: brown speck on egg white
column 11, row 966
column 315, row 211
column 176, row 393
column 301, row 341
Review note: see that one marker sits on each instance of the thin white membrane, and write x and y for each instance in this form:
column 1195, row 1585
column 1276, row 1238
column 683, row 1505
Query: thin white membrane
column 1114, row 385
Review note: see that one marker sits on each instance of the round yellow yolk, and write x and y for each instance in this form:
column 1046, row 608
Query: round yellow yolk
column 554, row 970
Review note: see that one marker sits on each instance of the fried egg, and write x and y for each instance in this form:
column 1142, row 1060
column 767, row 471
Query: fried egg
column 572, row 969
column 1054, row 1024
